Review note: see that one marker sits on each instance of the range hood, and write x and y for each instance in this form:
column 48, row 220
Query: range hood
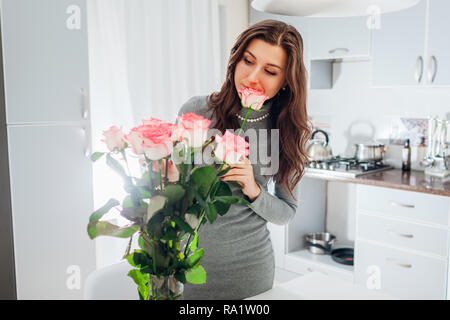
column 331, row 8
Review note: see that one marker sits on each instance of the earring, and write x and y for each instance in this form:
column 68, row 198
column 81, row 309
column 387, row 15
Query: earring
column 284, row 88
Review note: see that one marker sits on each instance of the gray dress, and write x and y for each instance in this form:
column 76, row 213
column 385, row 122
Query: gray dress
column 239, row 259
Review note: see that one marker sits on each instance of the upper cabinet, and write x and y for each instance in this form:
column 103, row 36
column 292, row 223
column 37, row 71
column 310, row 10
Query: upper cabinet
column 399, row 47
column 409, row 52
column 333, row 38
column 44, row 43
column 438, row 53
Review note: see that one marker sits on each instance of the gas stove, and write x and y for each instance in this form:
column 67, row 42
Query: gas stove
column 345, row 167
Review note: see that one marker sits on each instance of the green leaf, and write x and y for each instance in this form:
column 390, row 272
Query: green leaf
column 195, row 209
column 211, row 214
column 139, row 259
column 196, row 275
column 183, row 225
column 103, row 228
column 155, row 222
column 174, row 193
column 194, row 244
column 180, row 276
column 169, row 233
column 96, row 155
column 202, row 178
column 96, row 215
column 117, row 167
column 232, row 199
column 222, row 190
column 156, row 203
column 221, row 207
column 142, row 280
column 195, row 258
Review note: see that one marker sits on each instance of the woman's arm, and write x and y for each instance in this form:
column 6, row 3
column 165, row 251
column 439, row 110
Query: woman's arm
column 279, row 208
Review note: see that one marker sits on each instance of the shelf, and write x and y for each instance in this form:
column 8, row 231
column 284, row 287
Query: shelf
column 303, row 261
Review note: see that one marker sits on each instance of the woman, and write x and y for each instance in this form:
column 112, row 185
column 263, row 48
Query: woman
column 239, row 259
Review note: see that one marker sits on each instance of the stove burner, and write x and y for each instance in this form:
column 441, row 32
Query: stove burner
column 347, row 166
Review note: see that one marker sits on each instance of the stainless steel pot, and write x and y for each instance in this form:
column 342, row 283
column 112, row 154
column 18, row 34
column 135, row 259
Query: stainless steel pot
column 369, row 151
column 317, row 149
column 320, row 242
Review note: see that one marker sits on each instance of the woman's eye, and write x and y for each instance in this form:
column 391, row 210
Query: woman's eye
column 272, row 73
column 247, row 62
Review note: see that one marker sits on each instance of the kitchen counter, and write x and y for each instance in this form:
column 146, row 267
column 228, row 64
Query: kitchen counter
column 394, row 178
column 317, row 286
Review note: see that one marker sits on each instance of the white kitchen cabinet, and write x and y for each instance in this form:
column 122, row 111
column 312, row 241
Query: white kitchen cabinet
column 45, row 58
column 399, row 47
column 332, row 38
column 402, row 242
column 412, row 47
column 44, row 45
column 402, row 274
column 438, row 57
column 52, row 200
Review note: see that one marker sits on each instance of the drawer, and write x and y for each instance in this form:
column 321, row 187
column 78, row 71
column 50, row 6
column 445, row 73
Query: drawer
column 399, row 273
column 403, row 234
column 404, row 204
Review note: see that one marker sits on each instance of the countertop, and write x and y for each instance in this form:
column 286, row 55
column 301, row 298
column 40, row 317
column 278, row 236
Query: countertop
column 317, row 286
column 394, row 178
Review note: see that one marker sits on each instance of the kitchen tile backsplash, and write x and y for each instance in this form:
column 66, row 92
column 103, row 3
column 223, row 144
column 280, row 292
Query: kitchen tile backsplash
column 408, row 128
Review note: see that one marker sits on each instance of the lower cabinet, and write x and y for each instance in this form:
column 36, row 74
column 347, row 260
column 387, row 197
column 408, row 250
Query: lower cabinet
column 400, row 273
column 402, row 243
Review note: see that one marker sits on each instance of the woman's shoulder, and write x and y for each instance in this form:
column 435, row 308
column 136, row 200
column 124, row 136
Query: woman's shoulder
column 197, row 105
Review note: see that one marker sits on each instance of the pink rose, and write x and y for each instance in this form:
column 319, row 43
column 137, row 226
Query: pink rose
column 252, row 98
column 230, row 148
column 172, row 172
column 154, row 139
column 114, row 138
column 193, row 128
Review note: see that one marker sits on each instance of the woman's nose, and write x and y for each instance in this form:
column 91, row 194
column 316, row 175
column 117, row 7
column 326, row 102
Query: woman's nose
column 253, row 76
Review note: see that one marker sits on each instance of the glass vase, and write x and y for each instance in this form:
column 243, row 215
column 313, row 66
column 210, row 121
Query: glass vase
column 165, row 288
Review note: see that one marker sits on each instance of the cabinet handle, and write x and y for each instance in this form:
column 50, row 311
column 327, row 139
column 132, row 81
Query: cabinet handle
column 433, row 63
column 403, row 265
column 344, row 50
column 85, row 103
column 397, row 204
column 403, row 235
column 87, row 150
column 418, row 75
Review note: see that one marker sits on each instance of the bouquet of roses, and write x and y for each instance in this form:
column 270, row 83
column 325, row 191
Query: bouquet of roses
column 171, row 199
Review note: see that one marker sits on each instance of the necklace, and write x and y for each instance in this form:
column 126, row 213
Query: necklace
column 254, row 119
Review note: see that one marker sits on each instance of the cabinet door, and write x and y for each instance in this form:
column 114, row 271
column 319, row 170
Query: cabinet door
column 398, row 48
column 399, row 273
column 45, row 58
column 438, row 60
column 331, row 38
column 51, row 187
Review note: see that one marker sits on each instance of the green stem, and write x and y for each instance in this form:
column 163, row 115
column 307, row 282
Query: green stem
column 160, row 174
column 154, row 256
column 249, row 110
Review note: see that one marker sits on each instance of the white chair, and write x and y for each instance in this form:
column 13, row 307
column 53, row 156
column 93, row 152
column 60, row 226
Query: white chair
column 111, row 283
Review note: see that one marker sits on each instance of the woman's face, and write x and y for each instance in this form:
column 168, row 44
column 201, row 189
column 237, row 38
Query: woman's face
column 262, row 67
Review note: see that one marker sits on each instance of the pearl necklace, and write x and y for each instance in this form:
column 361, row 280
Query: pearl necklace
column 254, row 119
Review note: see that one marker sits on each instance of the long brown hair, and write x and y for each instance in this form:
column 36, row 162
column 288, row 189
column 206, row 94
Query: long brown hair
column 288, row 111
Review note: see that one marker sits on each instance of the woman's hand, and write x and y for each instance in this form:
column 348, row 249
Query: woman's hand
column 242, row 173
